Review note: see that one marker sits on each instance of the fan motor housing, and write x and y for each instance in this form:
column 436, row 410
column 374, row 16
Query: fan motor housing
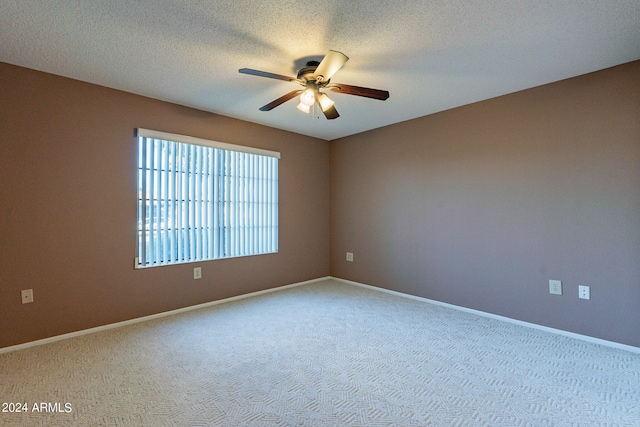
column 307, row 72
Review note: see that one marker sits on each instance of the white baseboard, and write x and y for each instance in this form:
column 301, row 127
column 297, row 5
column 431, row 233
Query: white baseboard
column 151, row 317
column 586, row 338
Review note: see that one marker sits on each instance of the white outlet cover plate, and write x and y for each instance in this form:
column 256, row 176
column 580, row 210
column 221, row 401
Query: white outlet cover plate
column 555, row 287
column 584, row 292
column 197, row 272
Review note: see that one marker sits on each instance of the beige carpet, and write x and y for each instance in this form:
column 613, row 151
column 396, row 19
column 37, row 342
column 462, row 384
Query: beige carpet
column 324, row 354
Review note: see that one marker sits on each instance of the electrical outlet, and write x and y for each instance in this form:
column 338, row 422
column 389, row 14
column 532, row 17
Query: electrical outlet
column 350, row 256
column 555, row 287
column 197, row 272
column 27, row 296
column 584, row 292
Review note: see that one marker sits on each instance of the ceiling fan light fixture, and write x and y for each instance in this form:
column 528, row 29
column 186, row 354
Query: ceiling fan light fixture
column 303, row 107
column 307, row 98
column 314, row 77
column 325, row 102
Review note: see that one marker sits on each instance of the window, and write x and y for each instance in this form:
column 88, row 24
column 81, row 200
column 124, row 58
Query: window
column 202, row 200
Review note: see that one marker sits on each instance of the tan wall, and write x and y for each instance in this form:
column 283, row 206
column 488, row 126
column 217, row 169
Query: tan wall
column 68, row 208
column 477, row 206
column 481, row 205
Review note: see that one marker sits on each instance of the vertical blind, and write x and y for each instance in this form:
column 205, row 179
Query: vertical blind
column 201, row 202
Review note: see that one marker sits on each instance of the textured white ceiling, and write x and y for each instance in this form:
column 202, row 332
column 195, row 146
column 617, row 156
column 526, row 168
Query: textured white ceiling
column 430, row 55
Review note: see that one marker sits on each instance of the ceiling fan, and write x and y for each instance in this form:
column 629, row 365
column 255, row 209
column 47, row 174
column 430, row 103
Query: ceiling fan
column 315, row 76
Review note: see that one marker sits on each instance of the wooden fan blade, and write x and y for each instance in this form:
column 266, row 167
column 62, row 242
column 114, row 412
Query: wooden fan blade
column 331, row 63
column 281, row 100
column 268, row 75
column 331, row 113
column 359, row 91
